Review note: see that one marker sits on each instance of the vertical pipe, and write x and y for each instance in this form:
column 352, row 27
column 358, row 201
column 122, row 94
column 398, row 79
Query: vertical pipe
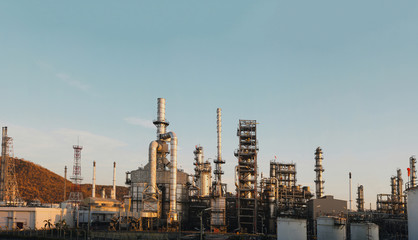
column 153, row 147
column 93, row 190
column 173, row 180
column 65, row 183
column 114, row 181
column 173, row 176
column 413, row 171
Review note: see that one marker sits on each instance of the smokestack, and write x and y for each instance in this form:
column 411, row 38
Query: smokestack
column 65, row 182
column 413, row 173
column 319, row 170
column 160, row 123
column 93, row 189
column 114, row 181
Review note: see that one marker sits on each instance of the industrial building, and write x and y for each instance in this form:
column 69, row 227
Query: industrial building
column 163, row 198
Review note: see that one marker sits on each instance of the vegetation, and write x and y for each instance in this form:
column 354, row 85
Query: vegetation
column 37, row 182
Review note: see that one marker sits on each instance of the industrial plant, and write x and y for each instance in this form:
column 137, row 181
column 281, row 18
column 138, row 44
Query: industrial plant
column 164, row 199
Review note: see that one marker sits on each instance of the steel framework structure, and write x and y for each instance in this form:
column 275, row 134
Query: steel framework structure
column 76, row 196
column 9, row 191
column 247, row 175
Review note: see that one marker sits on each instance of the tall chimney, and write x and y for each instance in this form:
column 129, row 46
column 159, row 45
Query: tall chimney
column 114, row 181
column 93, row 190
column 319, row 182
column 65, row 183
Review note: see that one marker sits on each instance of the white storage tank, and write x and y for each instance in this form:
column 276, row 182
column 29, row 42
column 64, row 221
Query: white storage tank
column 412, row 205
column 364, row 231
column 330, row 228
column 291, row 229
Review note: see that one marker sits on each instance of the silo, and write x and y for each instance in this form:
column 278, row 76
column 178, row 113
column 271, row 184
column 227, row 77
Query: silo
column 291, row 229
column 412, row 205
column 364, row 231
column 330, row 228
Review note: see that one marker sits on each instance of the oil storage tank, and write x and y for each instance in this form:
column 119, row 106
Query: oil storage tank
column 364, row 231
column 412, row 205
column 331, row 228
column 291, row 229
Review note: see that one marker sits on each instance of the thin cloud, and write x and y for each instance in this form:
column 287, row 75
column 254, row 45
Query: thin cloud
column 140, row 122
column 72, row 82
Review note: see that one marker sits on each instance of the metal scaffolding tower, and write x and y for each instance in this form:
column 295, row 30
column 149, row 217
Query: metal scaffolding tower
column 76, row 196
column 9, row 192
column 247, row 176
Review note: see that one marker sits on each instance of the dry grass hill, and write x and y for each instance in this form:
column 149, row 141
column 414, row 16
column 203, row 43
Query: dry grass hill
column 37, row 182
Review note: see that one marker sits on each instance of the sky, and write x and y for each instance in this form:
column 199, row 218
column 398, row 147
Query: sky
column 342, row 75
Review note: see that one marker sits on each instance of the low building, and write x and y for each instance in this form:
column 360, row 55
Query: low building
column 101, row 210
column 33, row 217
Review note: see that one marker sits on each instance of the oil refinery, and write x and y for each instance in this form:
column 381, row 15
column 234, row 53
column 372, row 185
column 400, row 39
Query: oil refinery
column 169, row 203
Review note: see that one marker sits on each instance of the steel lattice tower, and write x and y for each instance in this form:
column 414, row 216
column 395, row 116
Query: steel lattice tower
column 247, row 176
column 9, row 191
column 76, row 196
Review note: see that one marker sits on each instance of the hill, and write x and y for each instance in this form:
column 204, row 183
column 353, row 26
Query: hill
column 37, row 182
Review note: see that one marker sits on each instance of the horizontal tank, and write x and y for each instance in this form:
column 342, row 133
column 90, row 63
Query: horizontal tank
column 330, row 228
column 291, row 229
column 364, row 231
column 412, row 205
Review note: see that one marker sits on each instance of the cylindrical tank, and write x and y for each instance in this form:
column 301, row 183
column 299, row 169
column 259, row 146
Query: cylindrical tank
column 291, row 229
column 412, row 205
column 364, row 231
column 330, row 228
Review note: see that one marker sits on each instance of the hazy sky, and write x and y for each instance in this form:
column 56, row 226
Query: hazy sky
column 337, row 74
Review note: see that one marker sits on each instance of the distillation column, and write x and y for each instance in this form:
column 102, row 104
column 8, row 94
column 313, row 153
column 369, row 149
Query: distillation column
column 413, row 172
column 399, row 191
column 319, row 182
column 202, row 172
column 218, row 201
column 360, row 199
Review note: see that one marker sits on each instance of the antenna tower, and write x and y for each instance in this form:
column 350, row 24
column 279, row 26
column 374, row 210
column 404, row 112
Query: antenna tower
column 76, row 196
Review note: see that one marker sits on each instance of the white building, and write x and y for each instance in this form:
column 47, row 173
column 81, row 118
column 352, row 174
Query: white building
column 33, row 217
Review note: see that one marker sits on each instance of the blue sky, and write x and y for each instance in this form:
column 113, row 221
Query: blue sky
column 340, row 75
